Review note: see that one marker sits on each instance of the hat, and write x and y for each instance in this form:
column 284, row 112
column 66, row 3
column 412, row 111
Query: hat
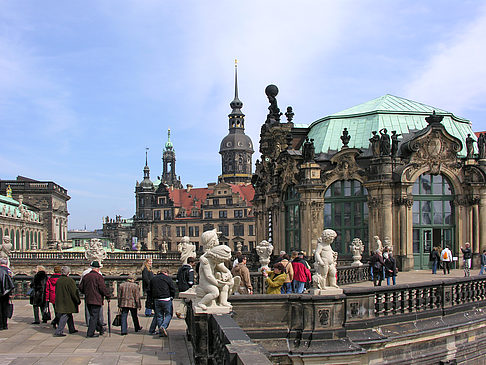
column 95, row 264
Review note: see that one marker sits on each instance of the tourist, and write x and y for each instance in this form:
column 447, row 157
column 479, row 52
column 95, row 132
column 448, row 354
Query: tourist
column 483, row 262
column 275, row 278
column 162, row 290
column 38, row 294
column 435, row 258
column 129, row 301
column 242, row 271
column 390, row 266
column 280, row 257
column 147, row 275
column 6, row 287
column 302, row 274
column 185, row 281
column 86, row 311
column 377, row 264
column 446, row 259
column 235, row 261
column 289, row 270
column 467, row 256
column 51, row 293
column 94, row 289
column 67, row 302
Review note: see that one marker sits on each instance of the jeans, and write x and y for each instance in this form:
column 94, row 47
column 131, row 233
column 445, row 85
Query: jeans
column 286, row 288
column 163, row 315
column 94, row 320
column 446, row 265
column 481, row 272
column 298, row 286
column 37, row 309
column 394, row 280
column 63, row 319
column 434, row 266
column 467, row 267
column 124, row 319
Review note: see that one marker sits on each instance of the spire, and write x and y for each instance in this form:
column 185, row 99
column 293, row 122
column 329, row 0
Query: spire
column 146, row 156
column 236, row 78
column 146, row 169
column 236, row 104
column 168, row 144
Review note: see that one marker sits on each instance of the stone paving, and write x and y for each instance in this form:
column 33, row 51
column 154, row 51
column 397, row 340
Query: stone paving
column 27, row 344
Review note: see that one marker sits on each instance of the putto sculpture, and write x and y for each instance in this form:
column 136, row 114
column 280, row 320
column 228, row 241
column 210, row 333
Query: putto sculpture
column 357, row 249
column 209, row 239
column 264, row 250
column 216, row 283
column 94, row 250
column 186, row 249
column 5, row 249
column 325, row 262
column 376, row 245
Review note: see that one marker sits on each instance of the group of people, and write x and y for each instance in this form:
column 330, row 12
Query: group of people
column 445, row 259
column 289, row 275
column 383, row 265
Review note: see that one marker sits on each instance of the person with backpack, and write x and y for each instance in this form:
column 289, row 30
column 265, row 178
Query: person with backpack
column 185, row 281
column 435, row 258
column 446, row 259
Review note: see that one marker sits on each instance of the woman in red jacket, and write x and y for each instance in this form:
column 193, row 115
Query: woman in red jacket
column 51, row 293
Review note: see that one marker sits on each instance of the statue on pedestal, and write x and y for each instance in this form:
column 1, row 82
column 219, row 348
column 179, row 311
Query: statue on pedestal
column 112, row 247
column 357, row 249
column 164, row 247
column 376, row 245
column 5, row 249
column 94, row 250
column 216, row 283
column 375, row 144
column 264, row 249
column 384, row 142
column 325, row 261
column 482, row 146
column 239, row 246
column 186, row 249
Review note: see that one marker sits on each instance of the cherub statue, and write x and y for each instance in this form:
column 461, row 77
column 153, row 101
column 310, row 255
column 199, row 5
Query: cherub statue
column 376, row 244
column 5, row 249
column 357, row 249
column 264, row 249
column 164, row 247
column 94, row 250
column 325, row 261
column 216, row 282
column 186, row 249
column 209, row 239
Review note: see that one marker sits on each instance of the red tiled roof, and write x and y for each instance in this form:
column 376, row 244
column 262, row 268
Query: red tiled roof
column 185, row 199
column 247, row 192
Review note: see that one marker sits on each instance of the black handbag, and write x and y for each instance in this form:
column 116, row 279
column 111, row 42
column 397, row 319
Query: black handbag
column 46, row 314
column 117, row 321
column 10, row 309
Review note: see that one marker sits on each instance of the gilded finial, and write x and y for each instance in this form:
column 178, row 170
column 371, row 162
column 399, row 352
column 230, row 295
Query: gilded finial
column 236, row 62
column 9, row 192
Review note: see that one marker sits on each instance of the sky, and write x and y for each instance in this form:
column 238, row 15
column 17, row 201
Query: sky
column 86, row 86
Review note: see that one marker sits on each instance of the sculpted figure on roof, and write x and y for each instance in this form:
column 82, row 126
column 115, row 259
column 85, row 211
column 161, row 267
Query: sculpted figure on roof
column 394, row 141
column 375, row 144
column 94, row 250
column 470, row 146
column 384, row 142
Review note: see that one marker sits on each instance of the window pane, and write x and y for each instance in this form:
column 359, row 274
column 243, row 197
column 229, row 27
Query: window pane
column 438, row 214
column 415, row 189
column 416, row 212
column 357, row 214
column 425, row 184
column 426, row 212
column 447, row 187
column 328, row 192
column 447, row 212
column 437, row 188
column 347, row 188
column 336, row 188
column 347, row 214
column 337, row 215
column 416, row 241
column 327, row 216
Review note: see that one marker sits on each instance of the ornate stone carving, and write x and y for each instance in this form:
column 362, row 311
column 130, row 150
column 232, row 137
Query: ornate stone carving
column 325, row 261
column 324, row 317
column 374, row 202
column 345, row 168
column 408, row 201
column 94, row 250
column 357, row 249
column 264, row 249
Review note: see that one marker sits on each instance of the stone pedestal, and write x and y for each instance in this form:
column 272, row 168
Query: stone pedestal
column 211, row 310
column 330, row 291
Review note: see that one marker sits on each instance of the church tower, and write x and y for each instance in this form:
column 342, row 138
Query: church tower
column 236, row 148
column 169, row 176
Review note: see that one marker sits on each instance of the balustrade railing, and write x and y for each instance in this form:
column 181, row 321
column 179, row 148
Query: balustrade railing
column 62, row 255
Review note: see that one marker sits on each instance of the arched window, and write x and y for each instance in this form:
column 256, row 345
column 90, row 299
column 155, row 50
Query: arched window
column 17, row 240
column 346, row 212
column 6, row 232
column 12, row 238
column 292, row 219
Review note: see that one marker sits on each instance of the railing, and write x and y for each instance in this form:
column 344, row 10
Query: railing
column 60, row 255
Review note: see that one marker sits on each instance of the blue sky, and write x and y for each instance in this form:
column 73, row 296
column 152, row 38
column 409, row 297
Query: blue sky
column 85, row 86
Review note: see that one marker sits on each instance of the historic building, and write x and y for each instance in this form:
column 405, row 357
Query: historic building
column 49, row 201
column 165, row 211
column 394, row 168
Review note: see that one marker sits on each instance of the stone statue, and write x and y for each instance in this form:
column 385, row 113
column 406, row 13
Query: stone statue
column 112, row 247
column 273, row 111
column 325, row 261
column 345, row 138
column 5, row 249
column 264, row 249
column 388, row 244
column 375, row 144
column 94, row 250
column 394, row 143
column 376, row 245
column 216, row 282
column 482, row 146
column 357, row 249
column 384, row 142
column 187, row 249
column 239, row 246
column 289, row 114
column 164, row 247
column 469, row 146
column 308, row 150
column 209, row 239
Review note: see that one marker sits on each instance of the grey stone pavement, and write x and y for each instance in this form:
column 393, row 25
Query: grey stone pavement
column 27, row 344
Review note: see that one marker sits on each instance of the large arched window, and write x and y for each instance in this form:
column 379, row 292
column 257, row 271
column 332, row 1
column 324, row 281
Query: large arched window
column 346, row 212
column 292, row 219
column 17, row 241
column 433, row 217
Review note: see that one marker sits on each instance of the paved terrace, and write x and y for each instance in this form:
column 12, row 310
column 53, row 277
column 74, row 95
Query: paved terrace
column 27, row 344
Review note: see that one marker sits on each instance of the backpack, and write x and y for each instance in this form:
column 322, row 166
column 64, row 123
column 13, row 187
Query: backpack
column 445, row 256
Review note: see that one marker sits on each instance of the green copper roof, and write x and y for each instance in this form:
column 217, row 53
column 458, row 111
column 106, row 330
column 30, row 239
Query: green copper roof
column 388, row 111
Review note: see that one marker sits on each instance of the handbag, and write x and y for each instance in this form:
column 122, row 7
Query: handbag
column 117, row 320
column 10, row 309
column 46, row 314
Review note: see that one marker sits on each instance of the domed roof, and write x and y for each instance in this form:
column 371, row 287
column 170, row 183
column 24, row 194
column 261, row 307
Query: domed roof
column 391, row 112
column 236, row 141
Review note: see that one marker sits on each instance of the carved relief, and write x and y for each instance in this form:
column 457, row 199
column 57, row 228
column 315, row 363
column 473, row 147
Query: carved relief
column 324, row 317
column 346, row 167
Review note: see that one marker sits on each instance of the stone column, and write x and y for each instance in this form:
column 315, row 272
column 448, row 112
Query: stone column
column 475, row 232
column 387, row 214
column 482, row 221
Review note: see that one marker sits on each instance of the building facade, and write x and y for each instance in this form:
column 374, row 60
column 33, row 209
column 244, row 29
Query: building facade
column 50, row 201
column 423, row 185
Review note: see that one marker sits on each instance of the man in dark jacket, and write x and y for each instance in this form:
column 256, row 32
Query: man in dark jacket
column 94, row 289
column 185, row 281
column 6, row 286
column 162, row 290
column 67, row 301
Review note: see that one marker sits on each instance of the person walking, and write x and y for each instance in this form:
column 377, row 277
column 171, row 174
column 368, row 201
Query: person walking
column 242, row 271
column 162, row 290
column 66, row 302
column 302, row 274
column 275, row 278
column 129, row 301
column 483, row 262
column 185, row 281
column 289, row 270
column 38, row 295
column 147, row 275
column 435, row 258
column 6, row 287
column 466, row 258
column 377, row 264
column 51, row 293
column 446, row 259
column 94, row 289
column 390, row 266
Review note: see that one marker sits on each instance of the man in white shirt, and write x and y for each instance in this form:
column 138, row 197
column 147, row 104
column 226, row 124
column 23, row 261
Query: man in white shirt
column 446, row 258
